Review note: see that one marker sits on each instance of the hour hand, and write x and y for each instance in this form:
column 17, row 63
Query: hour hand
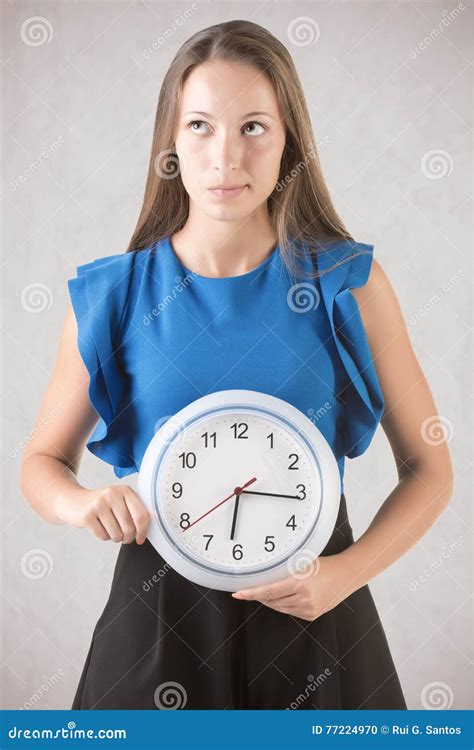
column 271, row 494
column 234, row 517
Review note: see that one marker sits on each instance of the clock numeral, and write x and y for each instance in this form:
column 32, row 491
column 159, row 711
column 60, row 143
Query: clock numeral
column 291, row 523
column 295, row 458
column 303, row 491
column 237, row 553
column 177, row 489
column 207, row 439
column 243, row 429
column 209, row 540
column 188, row 460
column 184, row 522
column 270, row 437
column 271, row 545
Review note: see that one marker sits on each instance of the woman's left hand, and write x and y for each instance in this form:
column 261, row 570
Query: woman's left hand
column 307, row 593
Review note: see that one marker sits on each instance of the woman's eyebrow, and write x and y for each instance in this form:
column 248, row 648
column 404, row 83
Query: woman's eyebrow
column 211, row 117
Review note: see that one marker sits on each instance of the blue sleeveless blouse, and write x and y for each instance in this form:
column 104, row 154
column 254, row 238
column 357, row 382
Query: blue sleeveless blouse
column 155, row 336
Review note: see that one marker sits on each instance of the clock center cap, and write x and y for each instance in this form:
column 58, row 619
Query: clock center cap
column 237, row 490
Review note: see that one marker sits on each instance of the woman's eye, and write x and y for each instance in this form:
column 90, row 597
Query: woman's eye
column 194, row 122
column 258, row 125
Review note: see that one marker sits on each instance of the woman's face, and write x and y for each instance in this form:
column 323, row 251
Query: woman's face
column 229, row 132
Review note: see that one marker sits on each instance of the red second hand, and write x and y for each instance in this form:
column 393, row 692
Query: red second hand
column 236, row 491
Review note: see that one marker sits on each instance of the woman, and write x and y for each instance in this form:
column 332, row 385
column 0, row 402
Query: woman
column 235, row 192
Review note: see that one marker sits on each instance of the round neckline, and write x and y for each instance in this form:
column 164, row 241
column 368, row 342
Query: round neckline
column 240, row 277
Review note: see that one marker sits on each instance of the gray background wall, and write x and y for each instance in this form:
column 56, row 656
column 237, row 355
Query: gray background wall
column 387, row 84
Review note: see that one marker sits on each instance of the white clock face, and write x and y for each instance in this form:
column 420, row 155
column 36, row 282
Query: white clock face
column 196, row 490
column 240, row 490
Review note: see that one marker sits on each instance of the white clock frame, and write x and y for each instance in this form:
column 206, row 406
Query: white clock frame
column 239, row 401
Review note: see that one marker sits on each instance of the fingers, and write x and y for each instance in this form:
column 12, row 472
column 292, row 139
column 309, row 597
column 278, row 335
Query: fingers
column 293, row 600
column 95, row 526
column 124, row 520
column 287, row 587
column 116, row 513
column 287, row 610
column 288, row 596
column 296, row 610
column 111, row 525
column 139, row 514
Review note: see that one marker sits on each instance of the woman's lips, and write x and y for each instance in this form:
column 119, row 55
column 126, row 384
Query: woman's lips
column 228, row 192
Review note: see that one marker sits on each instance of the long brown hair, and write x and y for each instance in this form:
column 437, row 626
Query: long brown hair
column 300, row 206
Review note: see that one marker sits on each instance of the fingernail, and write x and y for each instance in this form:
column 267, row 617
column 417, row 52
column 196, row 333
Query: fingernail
column 237, row 595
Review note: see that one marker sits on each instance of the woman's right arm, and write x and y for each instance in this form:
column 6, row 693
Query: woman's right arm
column 51, row 459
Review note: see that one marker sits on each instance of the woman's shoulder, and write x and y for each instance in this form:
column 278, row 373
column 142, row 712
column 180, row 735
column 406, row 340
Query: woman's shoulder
column 111, row 288
column 109, row 266
column 105, row 288
column 344, row 263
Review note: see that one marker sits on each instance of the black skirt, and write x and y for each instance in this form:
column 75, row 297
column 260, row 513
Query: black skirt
column 163, row 642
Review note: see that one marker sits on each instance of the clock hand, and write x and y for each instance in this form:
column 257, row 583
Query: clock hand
column 236, row 510
column 270, row 494
column 236, row 491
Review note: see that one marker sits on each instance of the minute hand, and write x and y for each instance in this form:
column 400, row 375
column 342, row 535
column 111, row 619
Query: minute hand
column 270, row 494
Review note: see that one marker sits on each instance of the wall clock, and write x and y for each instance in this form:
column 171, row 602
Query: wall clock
column 239, row 485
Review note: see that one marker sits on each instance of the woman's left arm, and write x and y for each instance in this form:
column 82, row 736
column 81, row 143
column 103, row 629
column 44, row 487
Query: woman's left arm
column 416, row 436
column 415, row 433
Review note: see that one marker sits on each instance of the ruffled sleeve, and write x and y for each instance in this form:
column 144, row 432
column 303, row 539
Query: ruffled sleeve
column 344, row 267
column 100, row 296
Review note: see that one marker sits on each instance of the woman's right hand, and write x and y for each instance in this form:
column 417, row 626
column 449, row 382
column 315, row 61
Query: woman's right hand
column 111, row 513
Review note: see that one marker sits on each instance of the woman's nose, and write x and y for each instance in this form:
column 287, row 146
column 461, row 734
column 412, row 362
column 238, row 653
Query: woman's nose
column 226, row 152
